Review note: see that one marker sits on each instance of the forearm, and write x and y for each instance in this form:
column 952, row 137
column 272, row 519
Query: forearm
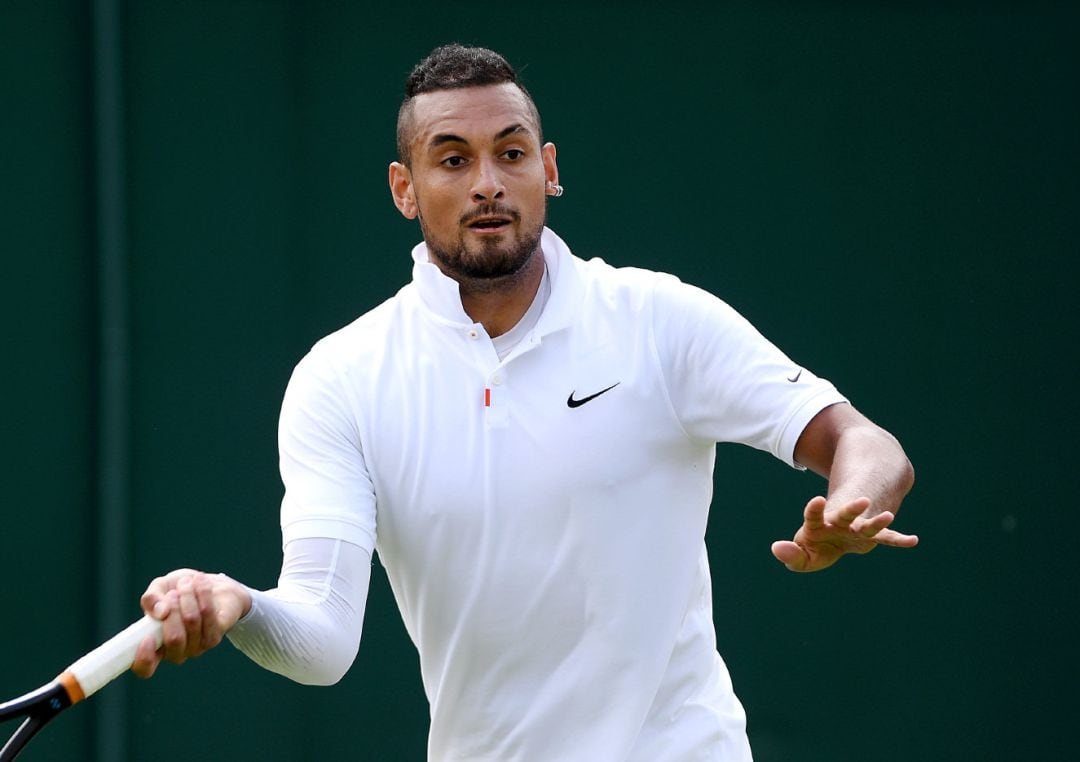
column 308, row 627
column 869, row 462
column 868, row 475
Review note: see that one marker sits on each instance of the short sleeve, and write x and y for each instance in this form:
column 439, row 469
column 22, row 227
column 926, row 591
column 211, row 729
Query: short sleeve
column 727, row 382
column 328, row 490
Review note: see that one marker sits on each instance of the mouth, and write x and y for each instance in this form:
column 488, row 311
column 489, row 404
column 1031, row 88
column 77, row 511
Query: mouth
column 490, row 224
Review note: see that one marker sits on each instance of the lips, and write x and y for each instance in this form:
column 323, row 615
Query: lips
column 490, row 218
column 489, row 223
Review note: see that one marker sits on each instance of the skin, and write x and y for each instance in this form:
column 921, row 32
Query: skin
column 476, row 153
column 196, row 610
column 869, row 475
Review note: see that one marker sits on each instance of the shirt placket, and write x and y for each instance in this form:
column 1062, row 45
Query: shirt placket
column 495, row 394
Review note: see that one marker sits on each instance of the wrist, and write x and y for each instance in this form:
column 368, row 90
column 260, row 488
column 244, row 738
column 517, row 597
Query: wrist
column 237, row 596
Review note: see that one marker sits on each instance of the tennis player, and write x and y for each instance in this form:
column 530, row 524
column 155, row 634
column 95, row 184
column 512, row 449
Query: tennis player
column 528, row 439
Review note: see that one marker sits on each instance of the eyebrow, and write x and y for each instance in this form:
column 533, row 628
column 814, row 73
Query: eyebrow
column 510, row 131
column 441, row 138
column 446, row 137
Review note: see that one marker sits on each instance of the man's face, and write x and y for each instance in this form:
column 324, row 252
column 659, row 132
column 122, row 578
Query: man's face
column 477, row 181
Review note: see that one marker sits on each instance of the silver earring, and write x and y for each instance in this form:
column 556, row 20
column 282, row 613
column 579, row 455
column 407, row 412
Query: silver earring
column 557, row 190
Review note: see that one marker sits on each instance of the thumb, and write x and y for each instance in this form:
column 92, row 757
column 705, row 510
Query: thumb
column 790, row 554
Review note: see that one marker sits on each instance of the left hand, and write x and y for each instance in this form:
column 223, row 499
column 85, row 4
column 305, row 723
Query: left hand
column 829, row 532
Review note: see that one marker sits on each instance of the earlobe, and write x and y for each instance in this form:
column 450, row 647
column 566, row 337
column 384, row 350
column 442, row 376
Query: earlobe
column 402, row 191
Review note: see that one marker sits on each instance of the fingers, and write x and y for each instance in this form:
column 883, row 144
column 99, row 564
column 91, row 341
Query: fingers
column 185, row 603
column 186, row 629
column 830, row 531
column 146, row 659
column 205, row 603
column 875, row 528
column 158, row 590
column 895, row 539
column 814, row 513
column 871, row 525
column 173, row 632
column 846, row 515
column 190, row 616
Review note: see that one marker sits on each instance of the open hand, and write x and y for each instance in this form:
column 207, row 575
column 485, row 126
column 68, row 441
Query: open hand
column 829, row 532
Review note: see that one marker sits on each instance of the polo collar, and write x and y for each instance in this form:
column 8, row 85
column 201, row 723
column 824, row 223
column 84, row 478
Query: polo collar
column 441, row 297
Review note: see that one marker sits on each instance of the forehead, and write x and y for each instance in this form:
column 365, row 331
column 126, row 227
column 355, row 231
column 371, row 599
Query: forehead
column 473, row 113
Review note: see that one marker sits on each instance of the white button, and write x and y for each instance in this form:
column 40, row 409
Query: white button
column 473, row 334
column 496, row 380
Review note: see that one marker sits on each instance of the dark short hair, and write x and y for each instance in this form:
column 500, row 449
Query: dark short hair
column 451, row 67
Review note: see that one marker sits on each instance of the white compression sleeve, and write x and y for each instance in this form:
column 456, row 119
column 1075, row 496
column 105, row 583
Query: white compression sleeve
column 308, row 627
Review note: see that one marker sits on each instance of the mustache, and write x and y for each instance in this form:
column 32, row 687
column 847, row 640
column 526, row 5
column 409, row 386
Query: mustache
column 490, row 210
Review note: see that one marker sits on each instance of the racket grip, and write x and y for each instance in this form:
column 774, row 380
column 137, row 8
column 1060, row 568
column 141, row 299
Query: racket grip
column 108, row 661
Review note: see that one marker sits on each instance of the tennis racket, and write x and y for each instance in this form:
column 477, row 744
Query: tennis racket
column 82, row 679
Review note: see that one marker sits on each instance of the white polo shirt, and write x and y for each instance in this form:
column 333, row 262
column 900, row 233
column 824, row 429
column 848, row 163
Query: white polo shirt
column 542, row 518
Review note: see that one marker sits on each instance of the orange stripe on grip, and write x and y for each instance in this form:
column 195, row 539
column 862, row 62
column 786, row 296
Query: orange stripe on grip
column 71, row 687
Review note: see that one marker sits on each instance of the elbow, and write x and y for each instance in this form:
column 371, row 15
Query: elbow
column 327, row 668
column 896, row 472
column 907, row 477
column 320, row 678
column 905, row 472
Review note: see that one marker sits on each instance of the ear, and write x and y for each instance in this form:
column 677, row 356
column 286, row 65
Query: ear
column 551, row 168
column 401, row 189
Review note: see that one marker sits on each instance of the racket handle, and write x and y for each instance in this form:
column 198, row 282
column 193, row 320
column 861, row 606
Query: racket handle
column 108, row 661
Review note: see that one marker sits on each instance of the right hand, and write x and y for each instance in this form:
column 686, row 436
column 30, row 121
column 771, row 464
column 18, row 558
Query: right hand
column 195, row 609
column 829, row 532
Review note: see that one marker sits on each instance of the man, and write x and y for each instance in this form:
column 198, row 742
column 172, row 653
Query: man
column 528, row 440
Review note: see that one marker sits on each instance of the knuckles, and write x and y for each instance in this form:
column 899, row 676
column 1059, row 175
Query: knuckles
column 191, row 623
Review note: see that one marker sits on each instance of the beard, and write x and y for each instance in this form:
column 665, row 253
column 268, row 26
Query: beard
column 494, row 263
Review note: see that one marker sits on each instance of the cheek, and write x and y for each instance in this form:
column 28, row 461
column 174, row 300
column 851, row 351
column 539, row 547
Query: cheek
column 537, row 201
column 435, row 207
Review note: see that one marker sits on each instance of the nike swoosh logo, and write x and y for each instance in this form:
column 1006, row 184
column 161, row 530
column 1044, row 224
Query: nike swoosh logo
column 796, row 377
column 571, row 402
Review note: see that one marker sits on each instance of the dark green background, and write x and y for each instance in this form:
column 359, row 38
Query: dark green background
column 888, row 190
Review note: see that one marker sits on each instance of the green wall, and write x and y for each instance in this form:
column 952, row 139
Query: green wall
column 888, row 190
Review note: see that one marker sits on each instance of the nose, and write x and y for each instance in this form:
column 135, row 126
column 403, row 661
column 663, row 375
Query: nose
column 488, row 183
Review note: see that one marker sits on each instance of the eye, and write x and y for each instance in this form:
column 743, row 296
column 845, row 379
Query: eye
column 514, row 154
column 453, row 161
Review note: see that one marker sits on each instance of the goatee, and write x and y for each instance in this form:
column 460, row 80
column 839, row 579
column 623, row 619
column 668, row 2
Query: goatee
column 494, row 266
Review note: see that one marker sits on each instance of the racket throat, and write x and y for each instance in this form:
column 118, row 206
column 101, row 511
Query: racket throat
column 39, row 706
column 48, row 699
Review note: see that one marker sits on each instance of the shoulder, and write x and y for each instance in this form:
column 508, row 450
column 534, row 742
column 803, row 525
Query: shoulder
column 625, row 287
column 661, row 294
column 356, row 344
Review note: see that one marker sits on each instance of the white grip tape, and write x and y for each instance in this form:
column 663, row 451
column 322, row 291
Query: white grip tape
column 108, row 661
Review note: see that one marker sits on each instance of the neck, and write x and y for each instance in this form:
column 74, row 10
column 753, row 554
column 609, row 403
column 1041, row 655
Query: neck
column 499, row 303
